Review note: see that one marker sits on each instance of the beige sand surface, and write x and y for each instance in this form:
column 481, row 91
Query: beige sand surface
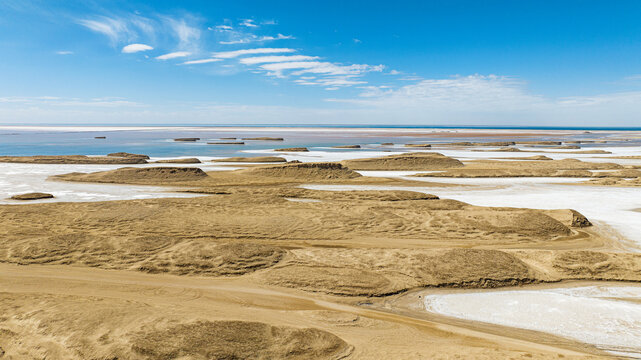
column 243, row 272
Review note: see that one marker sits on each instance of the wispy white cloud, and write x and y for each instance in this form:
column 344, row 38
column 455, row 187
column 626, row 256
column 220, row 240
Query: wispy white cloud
column 114, row 29
column 356, row 41
column 275, row 59
column 248, row 23
column 134, row 48
column 173, row 55
column 319, row 67
column 64, row 52
column 221, row 28
column 247, row 39
column 201, row 61
column 187, row 34
column 237, row 53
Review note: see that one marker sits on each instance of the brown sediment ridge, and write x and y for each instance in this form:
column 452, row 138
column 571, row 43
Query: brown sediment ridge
column 226, row 143
column 406, row 161
column 257, row 159
column 294, row 149
column 179, row 161
column 418, row 145
column 129, row 155
column 543, row 150
column 32, row 196
column 528, row 168
column 347, row 147
column 71, row 159
column 258, row 276
column 265, row 138
column 151, row 175
column 187, row 139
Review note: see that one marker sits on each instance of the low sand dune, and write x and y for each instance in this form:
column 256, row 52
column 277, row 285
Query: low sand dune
column 408, row 161
column 303, row 171
column 130, row 175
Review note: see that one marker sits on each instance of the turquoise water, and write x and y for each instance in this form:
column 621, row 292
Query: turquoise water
column 158, row 142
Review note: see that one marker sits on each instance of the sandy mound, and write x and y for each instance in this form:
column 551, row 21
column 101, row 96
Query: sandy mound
column 257, row 159
column 378, row 272
column 179, row 161
column 347, row 147
column 129, row 155
column 226, row 143
column 238, row 340
column 569, row 217
column 32, row 196
column 187, row 139
column 304, row 171
column 294, row 149
column 206, row 258
column 418, row 145
column 528, row 168
column 365, row 195
column 409, row 161
column 624, row 173
column 71, row 159
column 265, row 138
column 138, row 175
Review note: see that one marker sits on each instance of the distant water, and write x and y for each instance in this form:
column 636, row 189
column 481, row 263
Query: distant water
column 158, row 141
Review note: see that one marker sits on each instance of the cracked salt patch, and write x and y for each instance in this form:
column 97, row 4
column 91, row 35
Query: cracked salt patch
column 608, row 317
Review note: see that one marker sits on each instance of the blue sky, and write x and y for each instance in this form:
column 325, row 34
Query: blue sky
column 296, row 62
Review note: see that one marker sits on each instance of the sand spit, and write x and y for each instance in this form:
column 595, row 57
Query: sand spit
column 130, row 175
column 32, row 196
column 347, row 147
column 129, row 155
column 178, row 161
column 226, row 143
column 187, row 139
column 265, row 138
column 294, row 149
column 407, row 161
column 71, row 159
column 256, row 159
column 528, row 168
